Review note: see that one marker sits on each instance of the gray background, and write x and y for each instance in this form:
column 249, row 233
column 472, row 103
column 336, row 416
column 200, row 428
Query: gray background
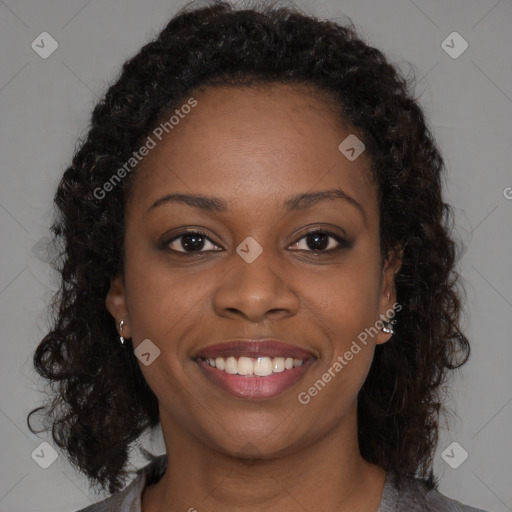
column 45, row 105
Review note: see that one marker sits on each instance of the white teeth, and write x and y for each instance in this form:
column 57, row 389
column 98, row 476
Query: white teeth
column 260, row 366
column 231, row 365
column 278, row 364
column 245, row 366
column 263, row 366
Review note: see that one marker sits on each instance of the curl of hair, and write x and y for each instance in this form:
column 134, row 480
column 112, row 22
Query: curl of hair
column 101, row 403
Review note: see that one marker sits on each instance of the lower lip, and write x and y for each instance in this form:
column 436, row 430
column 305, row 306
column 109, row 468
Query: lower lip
column 243, row 386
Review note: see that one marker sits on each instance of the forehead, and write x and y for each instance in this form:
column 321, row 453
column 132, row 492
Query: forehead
column 261, row 142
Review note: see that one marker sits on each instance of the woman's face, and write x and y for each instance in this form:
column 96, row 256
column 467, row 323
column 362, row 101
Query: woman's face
column 263, row 161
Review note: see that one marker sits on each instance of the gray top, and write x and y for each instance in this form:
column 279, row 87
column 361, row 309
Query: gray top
column 412, row 496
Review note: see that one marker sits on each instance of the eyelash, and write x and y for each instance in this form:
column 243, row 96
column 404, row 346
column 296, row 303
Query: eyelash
column 343, row 243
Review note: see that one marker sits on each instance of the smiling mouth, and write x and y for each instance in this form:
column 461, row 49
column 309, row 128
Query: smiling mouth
column 255, row 369
column 253, row 366
column 256, row 378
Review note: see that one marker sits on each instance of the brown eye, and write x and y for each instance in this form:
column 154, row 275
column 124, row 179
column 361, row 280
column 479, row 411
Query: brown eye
column 321, row 241
column 191, row 241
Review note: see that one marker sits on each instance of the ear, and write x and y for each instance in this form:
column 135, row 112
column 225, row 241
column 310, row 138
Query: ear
column 116, row 304
column 390, row 268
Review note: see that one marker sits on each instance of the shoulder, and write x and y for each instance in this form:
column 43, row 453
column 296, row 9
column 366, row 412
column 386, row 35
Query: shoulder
column 413, row 495
column 129, row 499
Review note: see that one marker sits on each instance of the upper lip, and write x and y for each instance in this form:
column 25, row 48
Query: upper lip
column 253, row 348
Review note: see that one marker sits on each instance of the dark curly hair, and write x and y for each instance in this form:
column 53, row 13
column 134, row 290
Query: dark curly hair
column 101, row 403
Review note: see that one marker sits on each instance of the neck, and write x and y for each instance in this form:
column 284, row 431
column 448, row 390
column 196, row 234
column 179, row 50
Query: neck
column 328, row 474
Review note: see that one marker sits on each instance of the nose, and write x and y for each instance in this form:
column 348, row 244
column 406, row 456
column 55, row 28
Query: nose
column 256, row 291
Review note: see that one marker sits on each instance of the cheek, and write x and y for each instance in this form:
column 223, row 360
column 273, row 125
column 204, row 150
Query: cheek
column 164, row 306
column 161, row 298
column 347, row 298
column 346, row 314
column 347, row 307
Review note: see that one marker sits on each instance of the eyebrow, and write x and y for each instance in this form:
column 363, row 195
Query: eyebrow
column 298, row 202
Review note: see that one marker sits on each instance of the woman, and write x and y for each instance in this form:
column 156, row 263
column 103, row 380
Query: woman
column 257, row 257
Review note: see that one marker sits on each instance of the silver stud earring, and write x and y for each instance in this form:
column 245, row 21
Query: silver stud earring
column 121, row 339
column 388, row 327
